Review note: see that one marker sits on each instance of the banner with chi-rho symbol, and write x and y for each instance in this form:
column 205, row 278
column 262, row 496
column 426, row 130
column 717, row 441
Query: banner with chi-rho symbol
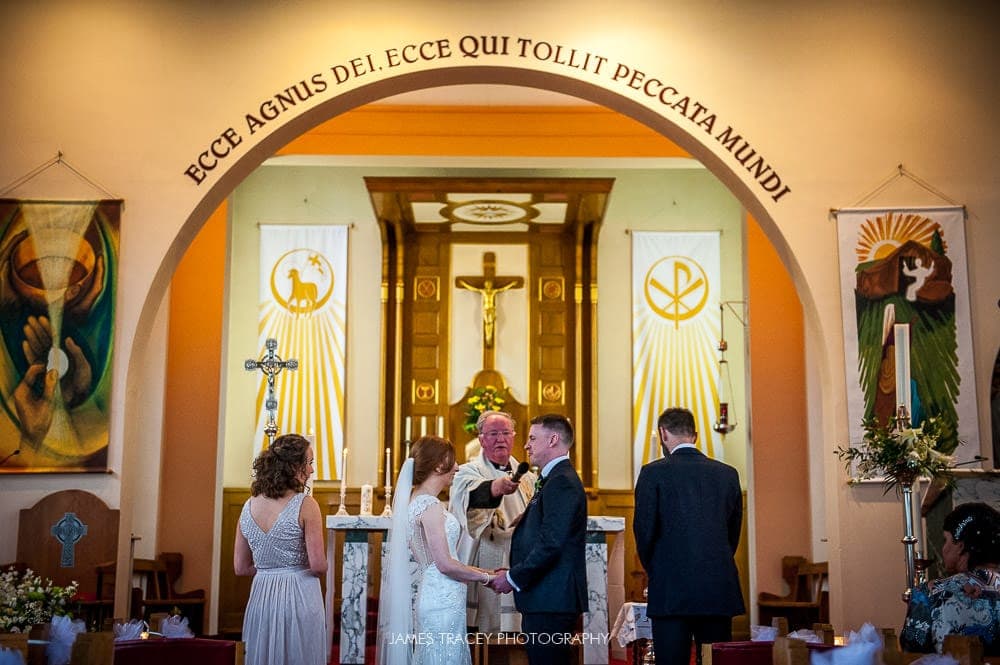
column 675, row 335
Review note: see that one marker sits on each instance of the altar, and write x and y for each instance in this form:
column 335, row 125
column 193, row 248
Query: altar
column 605, row 582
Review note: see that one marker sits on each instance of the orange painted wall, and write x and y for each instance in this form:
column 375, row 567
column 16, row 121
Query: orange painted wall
column 191, row 409
column 559, row 131
column 777, row 416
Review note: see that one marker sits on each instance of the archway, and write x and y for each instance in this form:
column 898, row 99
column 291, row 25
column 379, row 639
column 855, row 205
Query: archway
column 280, row 135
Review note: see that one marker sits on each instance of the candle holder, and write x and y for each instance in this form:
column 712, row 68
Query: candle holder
column 342, row 511
column 387, row 511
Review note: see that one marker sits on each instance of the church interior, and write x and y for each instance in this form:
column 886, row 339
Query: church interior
column 492, row 209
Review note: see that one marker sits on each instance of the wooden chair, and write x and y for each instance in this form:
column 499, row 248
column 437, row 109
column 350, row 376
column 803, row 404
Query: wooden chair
column 62, row 538
column 158, row 592
column 807, row 601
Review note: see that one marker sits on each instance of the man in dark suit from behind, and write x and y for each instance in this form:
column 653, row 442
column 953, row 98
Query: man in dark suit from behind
column 688, row 513
column 548, row 571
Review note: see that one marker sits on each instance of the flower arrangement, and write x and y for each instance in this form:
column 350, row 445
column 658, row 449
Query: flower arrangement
column 26, row 600
column 482, row 399
column 900, row 455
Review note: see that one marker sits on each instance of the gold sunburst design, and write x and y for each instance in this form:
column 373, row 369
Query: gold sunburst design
column 489, row 212
column 881, row 236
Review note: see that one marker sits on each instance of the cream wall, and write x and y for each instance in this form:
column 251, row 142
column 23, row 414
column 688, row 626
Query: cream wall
column 834, row 95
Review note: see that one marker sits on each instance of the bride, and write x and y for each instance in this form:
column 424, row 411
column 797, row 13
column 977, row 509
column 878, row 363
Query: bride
column 429, row 630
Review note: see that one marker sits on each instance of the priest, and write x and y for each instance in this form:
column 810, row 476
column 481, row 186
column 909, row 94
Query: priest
column 487, row 497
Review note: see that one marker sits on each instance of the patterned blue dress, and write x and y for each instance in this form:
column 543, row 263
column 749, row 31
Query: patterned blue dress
column 963, row 604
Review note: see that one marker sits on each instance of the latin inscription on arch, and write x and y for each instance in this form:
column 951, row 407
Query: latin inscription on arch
column 628, row 79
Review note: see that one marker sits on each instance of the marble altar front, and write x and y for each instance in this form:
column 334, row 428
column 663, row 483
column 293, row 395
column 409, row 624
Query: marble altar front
column 605, row 582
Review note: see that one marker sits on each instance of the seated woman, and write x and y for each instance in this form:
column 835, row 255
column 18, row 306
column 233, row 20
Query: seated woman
column 967, row 602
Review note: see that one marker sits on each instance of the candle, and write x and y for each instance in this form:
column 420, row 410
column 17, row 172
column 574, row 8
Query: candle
column 423, row 425
column 407, row 451
column 343, row 472
column 366, row 499
column 441, row 426
column 406, row 435
column 388, row 466
column 901, row 338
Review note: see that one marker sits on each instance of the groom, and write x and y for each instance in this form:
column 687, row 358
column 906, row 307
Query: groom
column 548, row 568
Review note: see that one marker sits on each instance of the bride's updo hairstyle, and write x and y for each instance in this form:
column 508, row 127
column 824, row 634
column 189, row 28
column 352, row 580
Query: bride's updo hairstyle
column 431, row 454
column 276, row 469
column 977, row 527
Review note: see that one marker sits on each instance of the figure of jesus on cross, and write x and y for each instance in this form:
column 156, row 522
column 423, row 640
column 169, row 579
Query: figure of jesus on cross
column 488, row 285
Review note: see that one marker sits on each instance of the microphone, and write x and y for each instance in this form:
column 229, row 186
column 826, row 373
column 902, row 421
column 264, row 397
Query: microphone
column 975, row 460
column 18, row 452
column 522, row 469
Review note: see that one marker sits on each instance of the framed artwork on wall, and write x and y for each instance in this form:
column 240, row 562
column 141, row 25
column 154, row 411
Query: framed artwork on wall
column 58, row 276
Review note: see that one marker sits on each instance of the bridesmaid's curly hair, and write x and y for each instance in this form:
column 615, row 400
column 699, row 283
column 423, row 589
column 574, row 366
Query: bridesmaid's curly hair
column 431, row 453
column 276, row 469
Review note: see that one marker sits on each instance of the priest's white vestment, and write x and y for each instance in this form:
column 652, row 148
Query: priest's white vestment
column 485, row 540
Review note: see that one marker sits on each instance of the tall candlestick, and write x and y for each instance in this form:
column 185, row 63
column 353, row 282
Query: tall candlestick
column 343, row 483
column 387, row 511
column 423, row 425
column 441, row 426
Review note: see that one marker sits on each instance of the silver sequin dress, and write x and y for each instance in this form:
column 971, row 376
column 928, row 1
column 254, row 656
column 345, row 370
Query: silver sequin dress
column 284, row 622
column 439, row 614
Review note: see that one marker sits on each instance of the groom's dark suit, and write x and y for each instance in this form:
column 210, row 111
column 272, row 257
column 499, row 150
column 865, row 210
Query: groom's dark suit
column 548, row 564
column 688, row 514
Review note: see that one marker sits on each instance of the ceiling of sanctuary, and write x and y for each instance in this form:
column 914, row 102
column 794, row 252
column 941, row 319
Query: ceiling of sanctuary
column 489, row 204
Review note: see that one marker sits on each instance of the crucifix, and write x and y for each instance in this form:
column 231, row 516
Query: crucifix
column 488, row 285
column 271, row 365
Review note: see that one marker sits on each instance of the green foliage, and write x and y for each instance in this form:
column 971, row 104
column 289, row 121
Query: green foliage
column 26, row 600
column 482, row 399
column 899, row 457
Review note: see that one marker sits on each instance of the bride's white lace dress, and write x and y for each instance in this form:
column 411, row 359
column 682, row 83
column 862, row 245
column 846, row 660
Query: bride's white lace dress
column 439, row 611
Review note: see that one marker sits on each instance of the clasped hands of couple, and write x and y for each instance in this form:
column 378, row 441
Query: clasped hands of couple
column 498, row 581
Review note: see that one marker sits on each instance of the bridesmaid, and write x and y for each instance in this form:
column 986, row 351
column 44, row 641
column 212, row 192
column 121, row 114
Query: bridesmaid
column 280, row 543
